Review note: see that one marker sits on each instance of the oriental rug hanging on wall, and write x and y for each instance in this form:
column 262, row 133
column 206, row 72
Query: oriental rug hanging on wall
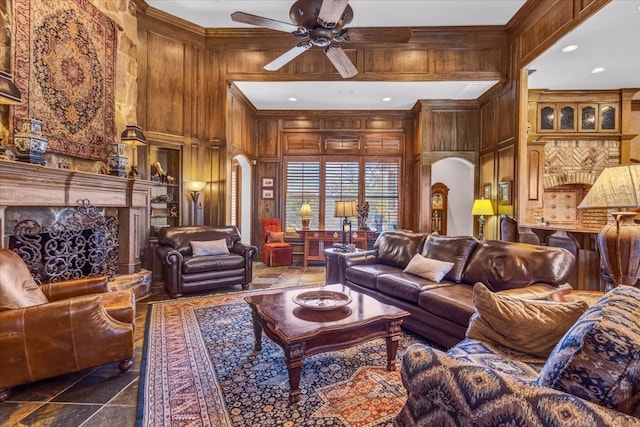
column 65, row 54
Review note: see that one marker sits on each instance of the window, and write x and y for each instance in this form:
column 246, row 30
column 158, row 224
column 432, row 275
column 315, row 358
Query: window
column 303, row 186
column 341, row 183
column 324, row 181
column 381, row 191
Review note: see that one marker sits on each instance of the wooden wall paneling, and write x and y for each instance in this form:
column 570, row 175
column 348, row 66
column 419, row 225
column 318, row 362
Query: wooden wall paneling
column 267, row 208
column 191, row 91
column 341, row 123
column 165, row 85
column 382, row 123
column 506, row 120
column 468, row 61
column 467, row 130
column 396, row 61
column 214, row 212
column 487, row 174
column 488, row 127
column 300, row 124
column 302, row 143
column 248, row 61
column 383, row 144
column 442, row 130
column 214, row 96
column 267, row 138
column 315, row 61
column 506, row 173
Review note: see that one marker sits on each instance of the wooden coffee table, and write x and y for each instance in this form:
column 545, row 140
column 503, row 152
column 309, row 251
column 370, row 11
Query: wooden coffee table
column 303, row 332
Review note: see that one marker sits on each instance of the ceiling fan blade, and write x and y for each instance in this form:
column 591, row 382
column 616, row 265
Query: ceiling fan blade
column 341, row 61
column 259, row 21
column 331, row 11
column 377, row 35
column 288, row 56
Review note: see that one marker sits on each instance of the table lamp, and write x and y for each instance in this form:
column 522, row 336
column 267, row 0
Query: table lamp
column 133, row 136
column 618, row 187
column 345, row 209
column 482, row 207
column 305, row 213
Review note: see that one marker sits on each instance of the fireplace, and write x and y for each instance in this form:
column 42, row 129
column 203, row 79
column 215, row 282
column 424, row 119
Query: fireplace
column 25, row 187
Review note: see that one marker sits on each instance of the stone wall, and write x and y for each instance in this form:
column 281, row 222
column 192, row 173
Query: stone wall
column 573, row 166
column 122, row 12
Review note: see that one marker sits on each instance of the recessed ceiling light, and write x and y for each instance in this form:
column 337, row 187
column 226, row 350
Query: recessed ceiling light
column 293, row 99
column 386, row 99
column 598, row 70
column 569, row 48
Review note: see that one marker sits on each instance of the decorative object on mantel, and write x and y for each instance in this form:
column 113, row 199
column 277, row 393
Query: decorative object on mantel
column 482, row 207
column 618, row 187
column 117, row 160
column 133, row 136
column 29, row 143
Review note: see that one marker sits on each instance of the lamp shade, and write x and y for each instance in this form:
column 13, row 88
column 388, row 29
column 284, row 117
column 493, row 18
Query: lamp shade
column 9, row 92
column 305, row 210
column 619, row 243
column 482, row 207
column 345, row 208
column 133, row 135
column 196, row 185
column 616, row 187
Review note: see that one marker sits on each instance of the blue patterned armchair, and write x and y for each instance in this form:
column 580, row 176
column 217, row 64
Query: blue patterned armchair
column 591, row 378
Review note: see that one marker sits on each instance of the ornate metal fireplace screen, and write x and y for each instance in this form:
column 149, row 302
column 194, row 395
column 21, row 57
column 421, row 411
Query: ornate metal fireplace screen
column 82, row 242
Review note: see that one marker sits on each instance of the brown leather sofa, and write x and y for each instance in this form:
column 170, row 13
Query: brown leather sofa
column 61, row 327
column 183, row 272
column 441, row 311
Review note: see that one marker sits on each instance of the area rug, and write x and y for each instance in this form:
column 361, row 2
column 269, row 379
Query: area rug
column 199, row 368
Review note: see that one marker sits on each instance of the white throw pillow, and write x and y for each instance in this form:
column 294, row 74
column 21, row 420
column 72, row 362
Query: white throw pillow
column 213, row 247
column 427, row 268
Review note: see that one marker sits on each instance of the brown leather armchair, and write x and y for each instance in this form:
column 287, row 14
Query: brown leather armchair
column 61, row 327
column 223, row 259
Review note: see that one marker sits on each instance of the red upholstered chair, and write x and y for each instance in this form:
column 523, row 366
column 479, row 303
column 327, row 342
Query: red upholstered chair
column 275, row 252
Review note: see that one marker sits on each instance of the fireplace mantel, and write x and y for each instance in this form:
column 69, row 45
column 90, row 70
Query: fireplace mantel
column 29, row 185
column 25, row 184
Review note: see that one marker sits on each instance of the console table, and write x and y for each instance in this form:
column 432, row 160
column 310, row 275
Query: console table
column 316, row 241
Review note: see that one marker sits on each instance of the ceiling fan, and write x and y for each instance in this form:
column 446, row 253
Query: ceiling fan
column 321, row 23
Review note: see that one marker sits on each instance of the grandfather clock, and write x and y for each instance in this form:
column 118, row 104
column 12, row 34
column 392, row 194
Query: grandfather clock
column 439, row 195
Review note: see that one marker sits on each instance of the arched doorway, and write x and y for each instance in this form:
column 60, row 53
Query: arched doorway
column 458, row 175
column 240, row 204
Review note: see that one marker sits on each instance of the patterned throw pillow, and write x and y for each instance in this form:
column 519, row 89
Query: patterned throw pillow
column 598, row 359
column 275, row 237
column 528, row 326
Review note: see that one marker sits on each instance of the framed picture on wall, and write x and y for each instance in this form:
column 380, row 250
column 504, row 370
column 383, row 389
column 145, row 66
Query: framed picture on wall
column 267, row 193
column 486, row 191
column 505, row 196
column 267, row 182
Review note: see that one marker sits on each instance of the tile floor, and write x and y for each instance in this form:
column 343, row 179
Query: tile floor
column 104, row 396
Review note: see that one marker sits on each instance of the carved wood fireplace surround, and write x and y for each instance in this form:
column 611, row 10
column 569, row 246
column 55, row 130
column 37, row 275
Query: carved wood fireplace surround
column 24, row 185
